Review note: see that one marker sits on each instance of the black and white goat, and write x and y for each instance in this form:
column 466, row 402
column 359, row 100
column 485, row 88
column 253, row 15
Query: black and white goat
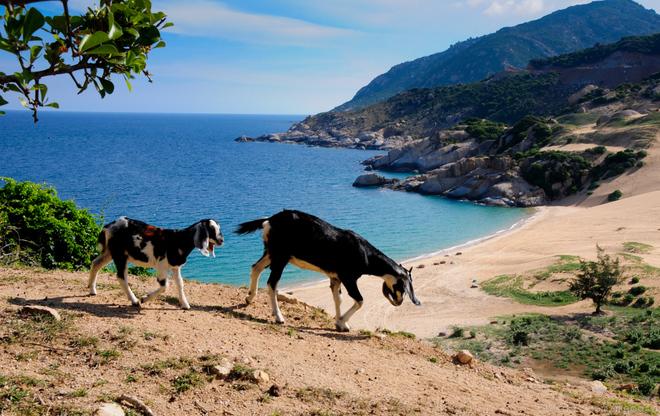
column 125, row 240
column 311, row 243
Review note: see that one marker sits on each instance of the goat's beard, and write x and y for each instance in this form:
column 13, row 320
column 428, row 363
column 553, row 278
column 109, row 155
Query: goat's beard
column 211, row 248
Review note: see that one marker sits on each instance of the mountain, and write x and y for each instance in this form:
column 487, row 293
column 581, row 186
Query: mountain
column 564, row 31
column 547, row 88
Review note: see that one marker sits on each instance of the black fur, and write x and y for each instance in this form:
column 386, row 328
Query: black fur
column 338, row 252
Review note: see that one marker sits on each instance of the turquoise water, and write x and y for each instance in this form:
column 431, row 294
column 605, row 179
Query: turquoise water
column 172, row 170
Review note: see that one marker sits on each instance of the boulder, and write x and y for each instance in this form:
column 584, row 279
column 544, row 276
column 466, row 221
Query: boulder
column 463, row 357
column 370, row 179
column 36, row 310
column 109, row 409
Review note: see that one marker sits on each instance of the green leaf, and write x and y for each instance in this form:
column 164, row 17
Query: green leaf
column 168, row 24
column 103, row 50
column 160, row 44
column 33, row 21
column 3, row 101
column 2, row 113
column 95, row 39
column 23, row 102
column 53, row 105
column 35, row 51
column 108, row 86
column 128, row 84
column 115, row 32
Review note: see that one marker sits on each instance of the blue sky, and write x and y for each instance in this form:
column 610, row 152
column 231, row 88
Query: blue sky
column 292, row 56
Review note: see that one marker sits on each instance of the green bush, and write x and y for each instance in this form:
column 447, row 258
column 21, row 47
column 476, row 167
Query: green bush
column 55, row 233
column 646, row 386
column 634, row 280
column 639, row 303
column 615, row 196
column 637, row 290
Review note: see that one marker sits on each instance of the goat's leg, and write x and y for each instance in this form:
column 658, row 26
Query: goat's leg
column 276, row 269
column 178, row 279
column 351, row 287
column 97, row 264
column 257, row 268
column 122, row 273
column 335, row 286
column 163, row 279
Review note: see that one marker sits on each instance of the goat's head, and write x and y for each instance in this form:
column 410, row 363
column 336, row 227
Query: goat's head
column 207, row 236
column 395, row 287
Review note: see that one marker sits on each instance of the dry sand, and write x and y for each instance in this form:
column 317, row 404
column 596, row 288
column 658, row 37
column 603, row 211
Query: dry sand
column 573, row 229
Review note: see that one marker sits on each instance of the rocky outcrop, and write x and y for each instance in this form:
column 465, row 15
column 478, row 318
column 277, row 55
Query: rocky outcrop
column 371, row 179
column 301, row 133
column 487, row 180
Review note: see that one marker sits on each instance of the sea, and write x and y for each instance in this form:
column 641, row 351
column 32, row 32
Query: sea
column 172, row 170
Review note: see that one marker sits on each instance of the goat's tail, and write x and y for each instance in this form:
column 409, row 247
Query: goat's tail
column 250, row 226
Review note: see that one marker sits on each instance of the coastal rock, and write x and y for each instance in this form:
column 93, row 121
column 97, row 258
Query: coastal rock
column 370, row 179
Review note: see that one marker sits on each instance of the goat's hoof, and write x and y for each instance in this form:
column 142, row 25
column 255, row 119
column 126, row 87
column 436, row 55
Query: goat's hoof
column 279, row 321
column 136, row 304
column 92, row 293
column 249, row 299
column 143, row 299
column 342, row 327
column 185, row 307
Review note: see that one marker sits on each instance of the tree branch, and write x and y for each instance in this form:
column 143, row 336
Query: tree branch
column 59, row 70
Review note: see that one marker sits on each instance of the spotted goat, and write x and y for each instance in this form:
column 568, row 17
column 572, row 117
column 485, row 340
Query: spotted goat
column 126, row 240
column 313, row 244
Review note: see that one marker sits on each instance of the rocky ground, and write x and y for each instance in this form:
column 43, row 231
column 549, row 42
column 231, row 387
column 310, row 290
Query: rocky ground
column 223, row 357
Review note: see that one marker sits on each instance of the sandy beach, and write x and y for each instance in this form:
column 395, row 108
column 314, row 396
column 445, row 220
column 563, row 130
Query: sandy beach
column 573, row 228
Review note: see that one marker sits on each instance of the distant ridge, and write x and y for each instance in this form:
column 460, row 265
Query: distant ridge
column 564, row 31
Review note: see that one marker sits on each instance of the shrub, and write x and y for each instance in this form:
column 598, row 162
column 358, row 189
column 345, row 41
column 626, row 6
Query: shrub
column 457, row 332
column 56, row 233
column 615, row 196
column 637, row 290
column 634, row 280
column 646, row 386
column 639, row 303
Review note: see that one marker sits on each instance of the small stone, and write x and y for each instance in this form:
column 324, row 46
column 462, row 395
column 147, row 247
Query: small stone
column 421, row 266
column 598, row 387
column 459, row 253
column 274, row 391
column 222, row 369
column 442, row 334
column 40, row 310
column 260, row 376
column 463, row 357
column 359, row 371
column 109, row 409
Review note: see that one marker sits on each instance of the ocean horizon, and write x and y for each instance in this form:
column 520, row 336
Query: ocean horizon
column 173, row 169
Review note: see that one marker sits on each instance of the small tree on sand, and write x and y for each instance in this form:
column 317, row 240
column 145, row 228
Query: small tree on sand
column 596, row 279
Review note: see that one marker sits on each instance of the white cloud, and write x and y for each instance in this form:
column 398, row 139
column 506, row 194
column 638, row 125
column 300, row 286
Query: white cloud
column 213, row 19
column 515, row 7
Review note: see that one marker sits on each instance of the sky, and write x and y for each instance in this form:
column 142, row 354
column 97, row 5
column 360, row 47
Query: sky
column 290, row 56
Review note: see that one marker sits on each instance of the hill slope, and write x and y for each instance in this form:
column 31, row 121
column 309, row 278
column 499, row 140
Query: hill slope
column 564, row 31
column 103, row 348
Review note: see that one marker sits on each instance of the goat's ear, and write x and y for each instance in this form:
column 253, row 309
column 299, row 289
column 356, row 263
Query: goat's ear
column 201, row 239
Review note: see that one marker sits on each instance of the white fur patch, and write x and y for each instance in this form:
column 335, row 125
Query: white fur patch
column 266, row 232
